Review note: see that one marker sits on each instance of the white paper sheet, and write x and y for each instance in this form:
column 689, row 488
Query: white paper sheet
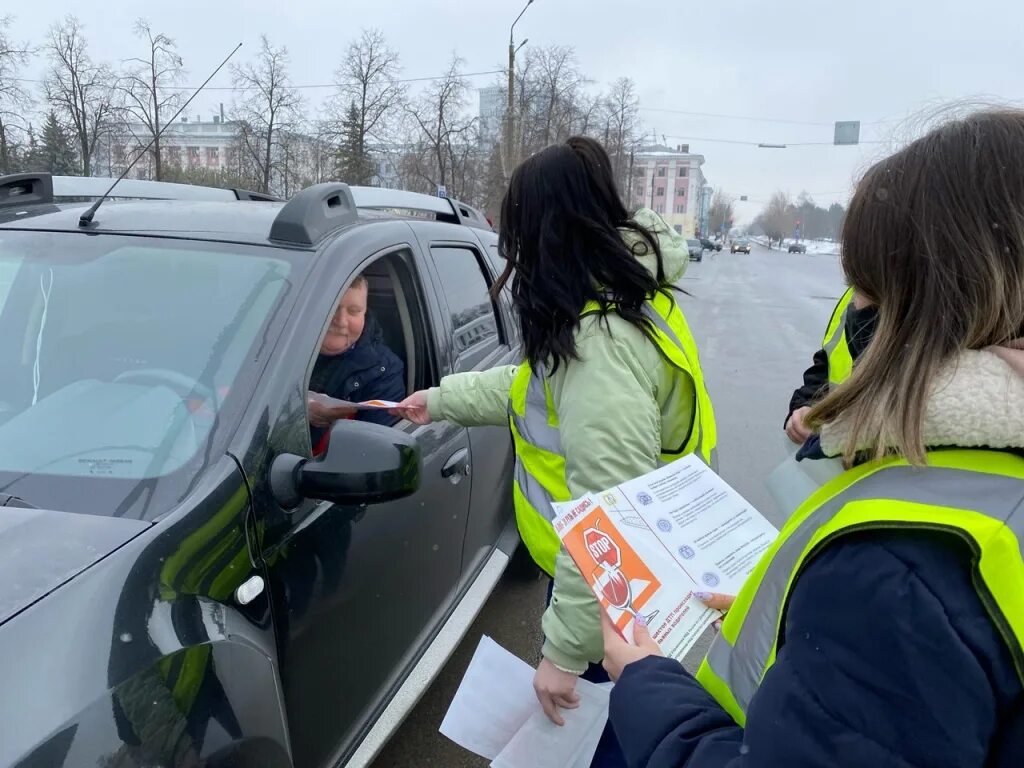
column 495, row 714
column 542, row 744
column 493, row 701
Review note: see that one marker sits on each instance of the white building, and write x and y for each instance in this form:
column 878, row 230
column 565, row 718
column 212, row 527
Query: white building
column 187, row 143
column 671, row 182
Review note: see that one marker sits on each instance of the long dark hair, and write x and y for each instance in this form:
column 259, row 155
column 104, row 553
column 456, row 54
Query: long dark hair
column 561, row 223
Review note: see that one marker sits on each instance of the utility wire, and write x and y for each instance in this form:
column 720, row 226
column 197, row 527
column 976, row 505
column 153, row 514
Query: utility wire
column 752, row 118
column 306, row 86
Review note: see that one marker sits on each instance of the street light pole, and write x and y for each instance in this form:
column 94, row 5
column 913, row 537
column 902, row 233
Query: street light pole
column 510, row 157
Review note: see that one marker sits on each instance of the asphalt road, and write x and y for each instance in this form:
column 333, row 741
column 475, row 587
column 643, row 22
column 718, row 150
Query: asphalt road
column 757, row 319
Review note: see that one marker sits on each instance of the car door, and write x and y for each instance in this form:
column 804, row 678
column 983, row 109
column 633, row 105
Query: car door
column 358, row 591
column 479, row 337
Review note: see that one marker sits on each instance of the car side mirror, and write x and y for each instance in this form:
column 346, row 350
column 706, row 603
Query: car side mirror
column 364, row 464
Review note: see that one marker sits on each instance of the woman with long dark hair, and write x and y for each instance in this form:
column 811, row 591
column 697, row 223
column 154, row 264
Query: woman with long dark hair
column 610, row 385
column 885, row 625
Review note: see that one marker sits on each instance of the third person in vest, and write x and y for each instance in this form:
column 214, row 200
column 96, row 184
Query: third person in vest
column 849, row 330
column 885, row 626
column 610, row 386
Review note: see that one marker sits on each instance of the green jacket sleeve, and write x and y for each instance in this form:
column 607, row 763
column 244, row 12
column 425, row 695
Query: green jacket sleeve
column 610, row 426
column 473, row 399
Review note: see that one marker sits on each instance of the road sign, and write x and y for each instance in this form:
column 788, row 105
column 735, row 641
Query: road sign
column 442, row 190
column 602, row 548
column 847, row 132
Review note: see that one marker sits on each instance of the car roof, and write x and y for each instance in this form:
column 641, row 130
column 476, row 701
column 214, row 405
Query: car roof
column 214, row 214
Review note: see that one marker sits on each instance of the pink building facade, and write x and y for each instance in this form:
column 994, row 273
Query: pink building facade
column 671, row 182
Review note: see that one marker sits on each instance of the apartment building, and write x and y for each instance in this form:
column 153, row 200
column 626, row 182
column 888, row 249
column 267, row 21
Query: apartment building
column 671, row 182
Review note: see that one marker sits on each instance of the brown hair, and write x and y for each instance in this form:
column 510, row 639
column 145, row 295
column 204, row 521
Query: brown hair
column 934, row 237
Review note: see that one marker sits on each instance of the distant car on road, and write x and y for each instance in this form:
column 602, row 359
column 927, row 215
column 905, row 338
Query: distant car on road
column 798, row 247
column 696, row 249
column 740, row 245
column 711, row 245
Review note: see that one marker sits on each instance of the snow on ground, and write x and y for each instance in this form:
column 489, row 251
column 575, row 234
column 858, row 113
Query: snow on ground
column 814, row 247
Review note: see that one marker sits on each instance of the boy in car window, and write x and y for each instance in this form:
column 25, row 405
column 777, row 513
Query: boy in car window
column 354, row 364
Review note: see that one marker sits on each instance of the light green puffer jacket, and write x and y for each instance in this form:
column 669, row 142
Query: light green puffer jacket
column 611, row 404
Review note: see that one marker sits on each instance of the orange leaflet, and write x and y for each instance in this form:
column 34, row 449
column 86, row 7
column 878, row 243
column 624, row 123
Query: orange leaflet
column 619, row 577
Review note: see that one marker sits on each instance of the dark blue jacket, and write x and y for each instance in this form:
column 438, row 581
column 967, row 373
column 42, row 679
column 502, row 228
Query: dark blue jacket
column 368, row 370
column 888, row 658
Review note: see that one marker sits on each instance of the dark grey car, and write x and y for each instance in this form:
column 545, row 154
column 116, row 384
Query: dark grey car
column 183, row 583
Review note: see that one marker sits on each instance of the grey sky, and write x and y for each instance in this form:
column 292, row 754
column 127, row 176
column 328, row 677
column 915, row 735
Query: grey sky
column 803, row 60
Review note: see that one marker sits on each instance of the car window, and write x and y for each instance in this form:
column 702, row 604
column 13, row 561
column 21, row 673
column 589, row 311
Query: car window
column 375, row 345
column 117, row 353
column 475, row 325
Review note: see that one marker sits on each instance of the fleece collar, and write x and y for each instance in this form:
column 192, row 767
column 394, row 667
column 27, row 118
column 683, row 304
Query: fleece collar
column 976, row 401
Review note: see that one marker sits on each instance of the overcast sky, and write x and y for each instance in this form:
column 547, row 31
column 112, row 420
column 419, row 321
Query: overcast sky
column 807, row 61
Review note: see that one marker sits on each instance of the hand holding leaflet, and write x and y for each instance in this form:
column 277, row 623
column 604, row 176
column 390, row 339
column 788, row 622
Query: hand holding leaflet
column 648, row 545
column 326, row 401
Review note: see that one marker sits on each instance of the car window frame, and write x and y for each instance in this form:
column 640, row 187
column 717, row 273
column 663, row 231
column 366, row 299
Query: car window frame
column 501, row 344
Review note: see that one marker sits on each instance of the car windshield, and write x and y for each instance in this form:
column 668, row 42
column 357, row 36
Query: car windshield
column 694, row 243
column 118, row 353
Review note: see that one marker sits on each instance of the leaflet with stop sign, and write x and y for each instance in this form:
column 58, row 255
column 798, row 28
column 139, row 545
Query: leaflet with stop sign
column 646, row 546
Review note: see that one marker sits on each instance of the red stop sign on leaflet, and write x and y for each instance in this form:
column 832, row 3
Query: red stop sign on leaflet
column 602, row 548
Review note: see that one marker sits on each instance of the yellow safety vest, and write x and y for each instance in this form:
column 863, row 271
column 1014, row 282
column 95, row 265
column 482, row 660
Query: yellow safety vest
column 540, row 464
column 840, row 361
column 976, row 494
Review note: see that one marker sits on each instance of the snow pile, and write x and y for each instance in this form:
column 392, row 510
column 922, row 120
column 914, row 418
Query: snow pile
column 814, row 247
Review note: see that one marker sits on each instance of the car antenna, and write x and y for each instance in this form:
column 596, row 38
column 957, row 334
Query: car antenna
column 86, row 218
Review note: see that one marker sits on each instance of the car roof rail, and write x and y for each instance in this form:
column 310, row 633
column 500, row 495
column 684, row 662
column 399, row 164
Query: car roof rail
column 138, row 189
column 314, row 213
column 382, row 198
column 20, row 189
column 32, row 188
column 262, row 197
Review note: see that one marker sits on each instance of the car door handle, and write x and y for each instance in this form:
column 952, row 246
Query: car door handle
column 457, row 465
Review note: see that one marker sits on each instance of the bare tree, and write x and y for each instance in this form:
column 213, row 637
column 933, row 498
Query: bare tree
column 367, row 101
column 268, row 111
column 721, row 212
column 146, row 85
column 622, row 120
column 558, row 78
column 777, row 217
column 444, row 137
column 80, row 91
column 15, row 100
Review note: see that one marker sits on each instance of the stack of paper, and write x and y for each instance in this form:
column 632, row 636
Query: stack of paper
column 495, row 713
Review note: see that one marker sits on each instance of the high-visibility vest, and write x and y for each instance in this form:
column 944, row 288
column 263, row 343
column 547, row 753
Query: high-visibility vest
column 840, row 361
column 975, row 494
column 540, row 463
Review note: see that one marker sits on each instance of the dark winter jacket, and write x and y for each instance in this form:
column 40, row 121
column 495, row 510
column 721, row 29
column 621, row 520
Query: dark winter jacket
column 860, row 326
column 368, row 370
column 888, row 658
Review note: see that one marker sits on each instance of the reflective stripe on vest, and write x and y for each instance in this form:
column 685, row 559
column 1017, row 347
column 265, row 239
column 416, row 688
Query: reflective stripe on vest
column 957, row 492
column 840, row 361
column 540, row 464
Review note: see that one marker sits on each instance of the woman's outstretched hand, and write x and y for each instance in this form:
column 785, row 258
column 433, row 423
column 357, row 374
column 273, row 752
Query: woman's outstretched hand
column 414, row 408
